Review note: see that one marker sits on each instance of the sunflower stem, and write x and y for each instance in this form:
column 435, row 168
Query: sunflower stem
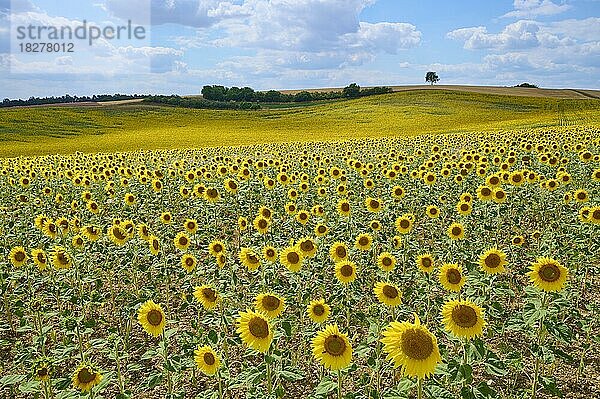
column 539, row 342
column 220, row 381
column 268, row 362
column 420, row 389
column 339, row 381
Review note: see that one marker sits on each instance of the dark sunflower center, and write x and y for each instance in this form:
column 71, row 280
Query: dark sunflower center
column 464, row 316
column 404, row 223
column 119, row 234
column 293, row 257
column 252, row 259
column 456, row 231
column 318, row 310
column 517, row 178
column 262, row 224
column 307, row 246
column 52, row 228
column 426, row 262
column 270, row 302
column 346, row 270
column 191, row 225
column 211, row 192
column 270, row 253
column 85, row 376
column 363, row 241
column 581, row 196
column 486, row 191
column 303, row 216
column 322, row 229
column 62, row 258
column 217, row 248
column 154, row 317
column 209, row 359
column 464, row 207
column 493, row 261
column 374, row 204
column 209, row 294
column 453, row 276
column 41, row 258
column 433, row 211
column 232, row 185
column 390, row 292
column 416, row 344
column 266, row 213
column 387, row 261
column 20, row 256
column 341, row 252
column 399, row 192
column 549, row 272
column 596, row 214
column 430, row 177
column 189, row 262
column 155, row 245
column 42, row 372
column 258, row 327
column 345, row 207
column 183, row 241
column 334, row 345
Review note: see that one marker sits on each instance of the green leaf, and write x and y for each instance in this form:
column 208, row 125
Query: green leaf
column 290, row 375
column 11, row 379
column 325, row 386
column 549, row 384
column 287, row 327
column 496, row 367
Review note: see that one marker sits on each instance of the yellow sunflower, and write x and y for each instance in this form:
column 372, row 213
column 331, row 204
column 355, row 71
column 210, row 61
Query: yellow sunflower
column 386, row 261
column 86, row 377
column 374, row 204
column 188, row 262
column 40, row 259
column 412, row 347
column 307, row 246
column 152, row 318
column 456, row 231
column 207, row 296
column 249, row 258
column 345, row 271
column 464, row 319
column 548, row 274
column 190, row 225
column 61, row 259
column 181, row 241
column 207, row 360
column 255, row 330
column 261, row 224
column 318, row 310
column 154, row 245
column 363, row 241
column 451, row 277
column 291, row 257
column 338, row 251
column 117, row 235
column 270, row 304
column 404, row 224
column 432, row 211
column 388, row 294
column 493, row 261
column 216, row 247
column 331, row 348
column 425, row 263
column 270, row 253
column 17, row 256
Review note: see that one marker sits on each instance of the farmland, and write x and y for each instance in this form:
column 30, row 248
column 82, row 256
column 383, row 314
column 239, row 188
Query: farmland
column 419, row 244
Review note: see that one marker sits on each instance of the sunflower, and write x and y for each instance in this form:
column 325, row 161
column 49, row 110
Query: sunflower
column 388, row 294
column 143, row 231
column 398, row 192
column 292, row 257
column 321, row 229
column 451, row 277
column 61, row 259
column 188, row 262
column 429, row 178
column 412, row 347
column 255, row 330
column 432, row 211
column 404, row 224
column 302, row 217
column 190, row 225
column 499, row 195
column 129, row 199
column 270, row 253
column 17, row 256
column 493, row 261
column 291, row 208
column 40, row 221
column 343, row 207
column 484, row 193
column 363, row 241
column 331, row 348
column 117, row 235
column 77, row 241
column 166, row 218
column 456, row 231
column 50, row 229
column 207, row 296
column 548, row 274
column 464, row 319
column 207, row 360
column 249, row 258
column 152, row 318
column 318, row 310
column 425, row 263
column 93, row 207
column 261, row 224
column 181, row 241
column 581, row 196
column 307, row 246
column 40, row 259
column 269, row 304
column 154, row 245
column 518, row 241
column 386, row 261
column 374, row 204
column 464, row 208
column 216, row 247
column 594, row 215
column 338, row 251
column 42, row 369
column 86, row 377
column 345, row 271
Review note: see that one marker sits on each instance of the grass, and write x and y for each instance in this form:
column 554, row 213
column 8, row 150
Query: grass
column 47, row 130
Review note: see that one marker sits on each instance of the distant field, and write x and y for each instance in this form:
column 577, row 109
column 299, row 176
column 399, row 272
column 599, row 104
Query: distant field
column 46, row 130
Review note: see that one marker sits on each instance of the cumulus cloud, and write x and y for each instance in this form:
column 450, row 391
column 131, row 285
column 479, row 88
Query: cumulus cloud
column 535, row 8
column 521, row 34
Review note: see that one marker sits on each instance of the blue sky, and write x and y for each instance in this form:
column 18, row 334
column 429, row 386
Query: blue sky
column 305, row 43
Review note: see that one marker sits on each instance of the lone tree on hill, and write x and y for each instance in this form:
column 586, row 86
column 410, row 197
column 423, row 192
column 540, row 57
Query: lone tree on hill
column 432, row 77
column 351, row 91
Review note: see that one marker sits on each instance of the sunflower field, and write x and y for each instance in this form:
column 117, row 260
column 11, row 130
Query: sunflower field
column 461, row 265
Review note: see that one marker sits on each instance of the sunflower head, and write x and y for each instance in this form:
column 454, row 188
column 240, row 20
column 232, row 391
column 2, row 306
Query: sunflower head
column 388, row 294
column 318, row 310
column 345, row 271
column 270, row 304
column 338, row 251
column 451, row 277
column 493, row 261
column 152, row 318
column 86, row 377
column 386, row 261
column 548, row 274
column 464, row 319
column 425, row 263
column 18, row 256
column 292, row 258
column 207, row 360
column 456, row 231
column 255, row 330
column 331, row 348
column 207, row 296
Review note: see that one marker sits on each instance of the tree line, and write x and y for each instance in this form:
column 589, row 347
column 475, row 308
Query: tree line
column 198, row 102
column 248, row 94
column 68, row 99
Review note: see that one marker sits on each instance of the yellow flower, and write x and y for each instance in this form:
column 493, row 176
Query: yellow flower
column 343, row 207
column 388, row 294
column 166, row 218
column 318, row 310
column 456, row 231
column 291, row 257
column 412, row 347
column 331, row 348
column 152, row 318
column 432, row 211
column 404, row 224
column 321, row 229
column 207, row 360
column 17, row 256
column 345, row 271
column 425, row 263
column 249, row 258
column 386, row 261
column 338, row 251
column 181, row 241
column 117, row 235
column 154, row 245
column 86, row 377
column 254, row 330
column 374, row 204
column 40, row 259
column 216, row 247
column 464, row 208
column 270, row 253
column 548, row 274
column 302, row 217
column 190, row 225
column 307, row 246
column 493, row 261
column 261, row 224
column 363, row 242
column 61, row 259
column 464, row 319
column 451, row 277
column 269, row 304
column 188, row 262
column 207, row 296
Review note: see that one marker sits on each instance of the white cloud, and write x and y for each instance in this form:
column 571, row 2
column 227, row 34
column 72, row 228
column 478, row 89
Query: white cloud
column 535, row 8
column 521, row 34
